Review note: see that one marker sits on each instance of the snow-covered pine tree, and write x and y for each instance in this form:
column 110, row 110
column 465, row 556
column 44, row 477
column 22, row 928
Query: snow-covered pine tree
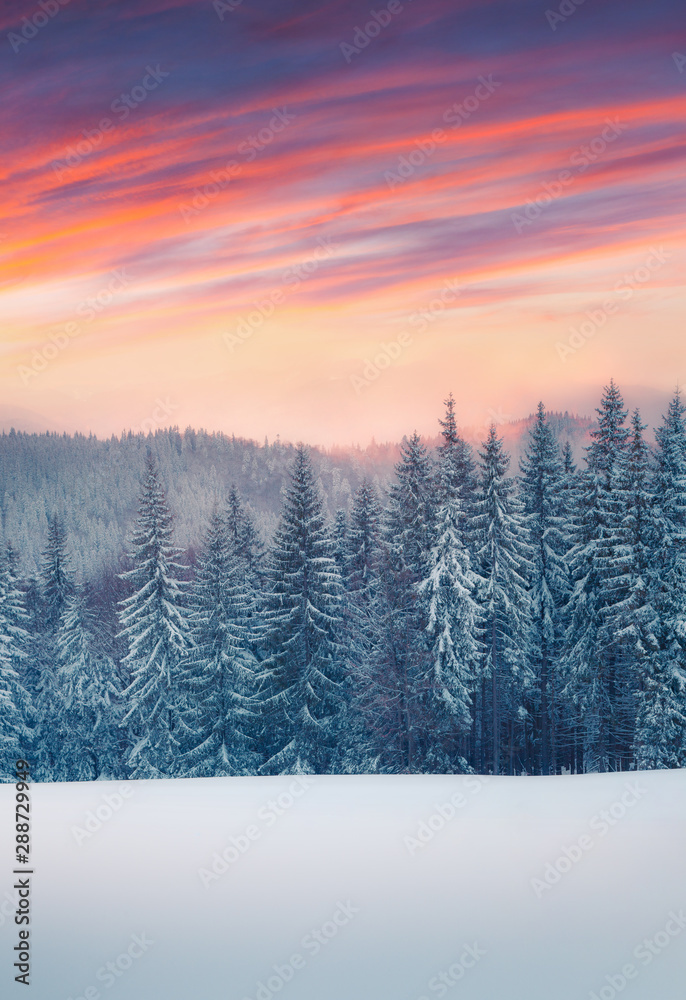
column 568, row 463
column 412, row 510
column 32, row 600
column 340, row 540
column 570, row 498
column 220, row 673
column 90, row 698
column 245, row 539
column 390, row 691
column 661, row 725
column 393, row 683
column 362, row 584
column 247, row 556
column 582, row 619
column 573, row 489
column 302, row 677
column 594, row 660
column 504, row 565
column 56, row 578
column 154, row 622
column 55, row 589
column 541, row 477
column 609, row 459
column 363, row 541
column 15, row 702
column 632, row 620
column 447, row 593
column 463, row 477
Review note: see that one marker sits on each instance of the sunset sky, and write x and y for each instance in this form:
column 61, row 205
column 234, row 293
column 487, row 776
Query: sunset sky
column 239, row 206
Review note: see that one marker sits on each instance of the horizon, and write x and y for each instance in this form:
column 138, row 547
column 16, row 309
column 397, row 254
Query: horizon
column 467, row 431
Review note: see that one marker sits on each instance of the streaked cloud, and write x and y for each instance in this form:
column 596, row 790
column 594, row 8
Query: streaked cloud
column 258, row 140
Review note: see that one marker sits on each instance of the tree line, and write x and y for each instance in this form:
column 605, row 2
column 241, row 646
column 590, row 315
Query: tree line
column 467, row 620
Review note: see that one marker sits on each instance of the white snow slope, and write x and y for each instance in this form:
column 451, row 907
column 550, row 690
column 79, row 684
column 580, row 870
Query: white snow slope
column 353, row 888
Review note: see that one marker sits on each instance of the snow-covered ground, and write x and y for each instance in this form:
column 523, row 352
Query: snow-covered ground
column 354, row 888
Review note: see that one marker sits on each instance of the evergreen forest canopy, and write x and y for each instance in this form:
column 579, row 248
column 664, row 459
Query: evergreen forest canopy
column 466, row 616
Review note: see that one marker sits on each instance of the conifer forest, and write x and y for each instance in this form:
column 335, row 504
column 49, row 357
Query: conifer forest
column 463, row 615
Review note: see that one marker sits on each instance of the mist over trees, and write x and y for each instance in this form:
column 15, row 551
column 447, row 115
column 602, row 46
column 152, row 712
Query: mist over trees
column 463, row 615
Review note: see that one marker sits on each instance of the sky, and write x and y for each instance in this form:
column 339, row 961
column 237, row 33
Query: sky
column 317, row 219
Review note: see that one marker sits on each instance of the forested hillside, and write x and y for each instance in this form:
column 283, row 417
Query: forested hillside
column 93, row 484
column 93, row 487
column 275, row 610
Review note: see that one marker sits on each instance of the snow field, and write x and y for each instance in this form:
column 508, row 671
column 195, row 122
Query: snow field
column 378, row 887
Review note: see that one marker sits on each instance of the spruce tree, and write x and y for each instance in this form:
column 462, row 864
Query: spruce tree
column 391, row 681
column 15, row 703
column 302, row 676
column 362, row 584
column 504, row 565
column 632, row 620
column 340, row 540
column 573, row 489
column 154, row 623
column 395, row 681
column 594, row 658
column 542, row 473
column 456, row 455
column 411, row 510
column 363, row 540
column 55, row 590
column 220, row 673
column 245, row 541
column 447, row 593
column 661, row 725
column 90, row 699
column 568, row 464
column 56, row 578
